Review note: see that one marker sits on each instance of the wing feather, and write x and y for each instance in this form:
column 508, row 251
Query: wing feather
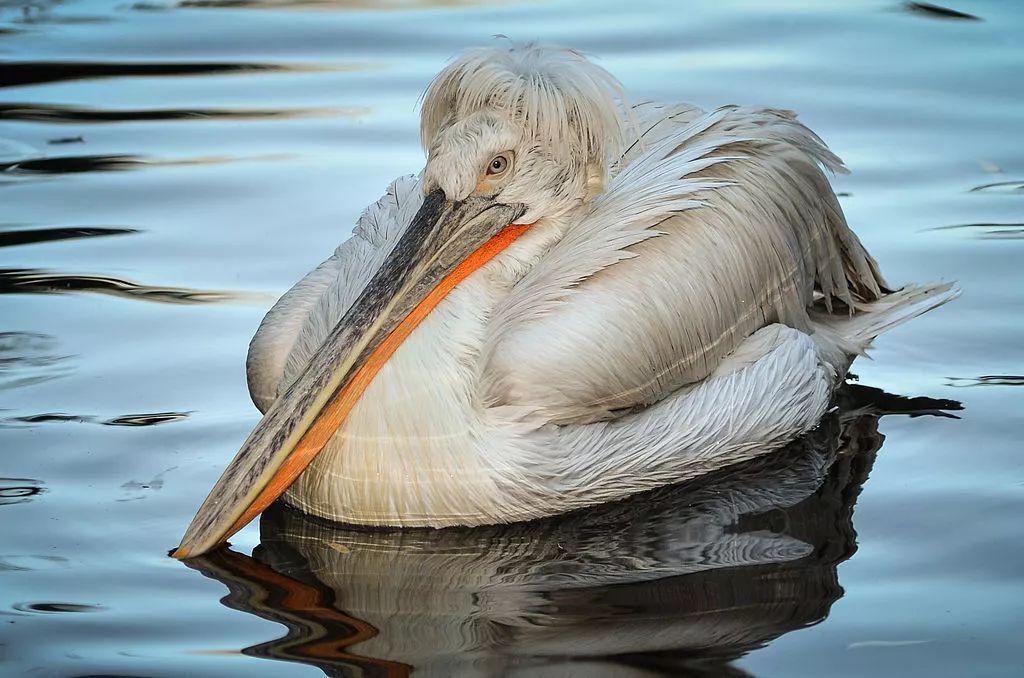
column 715, row 225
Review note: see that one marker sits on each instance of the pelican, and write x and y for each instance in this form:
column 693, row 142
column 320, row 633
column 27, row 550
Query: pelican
column 579, row 298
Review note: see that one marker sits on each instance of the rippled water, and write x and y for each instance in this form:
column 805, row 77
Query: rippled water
column 167, row 169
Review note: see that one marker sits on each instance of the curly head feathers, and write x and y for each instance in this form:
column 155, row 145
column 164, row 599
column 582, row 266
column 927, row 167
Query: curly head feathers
column 563, row 100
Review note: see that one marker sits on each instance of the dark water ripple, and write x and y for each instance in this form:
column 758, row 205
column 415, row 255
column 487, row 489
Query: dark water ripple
column 1000, row 187
column 26, row 348
column 21, row 73
column 988, row 380
column 74, row 164
column 51, row 608
column 987, row 231
column 131, row 420
column 939, row 12
column 36, row 281
column 66, row 140
column 28, row 358
column 72, row 114
column 31, row 236
column 1006, row 234
column 48, row 417
column 19, row 490
column 146, row 419
column 326, row 4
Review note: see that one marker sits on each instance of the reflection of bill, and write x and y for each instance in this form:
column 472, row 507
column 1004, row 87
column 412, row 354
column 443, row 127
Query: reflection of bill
column 682, row 579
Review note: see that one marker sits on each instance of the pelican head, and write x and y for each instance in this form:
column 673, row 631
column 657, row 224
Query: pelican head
column 513, row 135
column 521, row 125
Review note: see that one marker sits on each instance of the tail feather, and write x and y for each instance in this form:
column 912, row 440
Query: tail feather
column 852, row 334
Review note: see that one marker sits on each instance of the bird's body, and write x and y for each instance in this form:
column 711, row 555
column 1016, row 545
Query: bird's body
column 595, row 359
column 687, row 295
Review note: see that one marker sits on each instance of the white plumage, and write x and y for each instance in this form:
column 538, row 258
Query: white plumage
column 688, row 297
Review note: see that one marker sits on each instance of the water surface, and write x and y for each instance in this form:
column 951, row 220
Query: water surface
column 168, row 168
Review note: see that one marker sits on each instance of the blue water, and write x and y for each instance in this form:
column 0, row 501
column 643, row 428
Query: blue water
column 169, row 168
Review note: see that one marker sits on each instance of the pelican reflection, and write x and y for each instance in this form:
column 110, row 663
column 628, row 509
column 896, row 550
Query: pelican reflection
column 678, row 581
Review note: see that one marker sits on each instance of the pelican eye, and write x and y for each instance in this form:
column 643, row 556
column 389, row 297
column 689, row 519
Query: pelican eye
column 498, row 165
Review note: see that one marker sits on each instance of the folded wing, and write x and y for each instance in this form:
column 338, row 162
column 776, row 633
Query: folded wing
column 714, row 225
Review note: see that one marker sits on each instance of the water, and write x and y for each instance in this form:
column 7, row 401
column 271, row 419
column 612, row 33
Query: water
column 168, row 169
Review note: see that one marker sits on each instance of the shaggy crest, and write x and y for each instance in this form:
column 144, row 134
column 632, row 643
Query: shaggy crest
column 564, row 100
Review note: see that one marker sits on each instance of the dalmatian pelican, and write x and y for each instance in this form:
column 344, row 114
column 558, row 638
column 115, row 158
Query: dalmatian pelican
column 577, row 299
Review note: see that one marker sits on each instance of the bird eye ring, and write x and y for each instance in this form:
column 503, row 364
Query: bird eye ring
column 498, row 165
